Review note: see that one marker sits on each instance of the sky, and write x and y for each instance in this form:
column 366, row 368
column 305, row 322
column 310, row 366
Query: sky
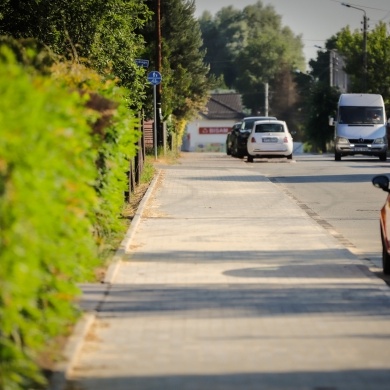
column 314, row 20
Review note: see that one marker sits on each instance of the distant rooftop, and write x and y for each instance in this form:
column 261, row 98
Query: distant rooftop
column 224, row 105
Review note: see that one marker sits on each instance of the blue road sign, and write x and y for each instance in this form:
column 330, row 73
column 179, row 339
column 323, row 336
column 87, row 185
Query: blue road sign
column 154, row 77
column 143, row 63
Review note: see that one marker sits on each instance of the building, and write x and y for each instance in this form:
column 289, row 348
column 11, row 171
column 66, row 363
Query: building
column 207, row 133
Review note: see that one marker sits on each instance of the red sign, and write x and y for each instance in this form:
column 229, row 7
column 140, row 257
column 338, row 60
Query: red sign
column 214, row 130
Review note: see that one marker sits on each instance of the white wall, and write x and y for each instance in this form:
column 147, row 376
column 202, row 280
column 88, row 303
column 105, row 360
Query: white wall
column 193, row 141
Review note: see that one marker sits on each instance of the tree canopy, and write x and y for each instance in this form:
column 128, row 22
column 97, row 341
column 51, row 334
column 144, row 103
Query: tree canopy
column 250, row 48
column 101, row 33
column 185, row 76
column 350, row 46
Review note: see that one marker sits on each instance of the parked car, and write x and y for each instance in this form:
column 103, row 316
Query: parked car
column 240, row 136
column 269, row 139
column 384, row 218
column 234, row 128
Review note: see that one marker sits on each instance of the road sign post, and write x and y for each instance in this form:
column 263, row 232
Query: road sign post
column 155, row 78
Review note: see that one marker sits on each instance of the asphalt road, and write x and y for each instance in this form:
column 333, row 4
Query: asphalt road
column 339, row 195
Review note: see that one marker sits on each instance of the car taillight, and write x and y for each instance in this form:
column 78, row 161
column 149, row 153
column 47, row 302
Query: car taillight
column 253, row 140
column 285, row 140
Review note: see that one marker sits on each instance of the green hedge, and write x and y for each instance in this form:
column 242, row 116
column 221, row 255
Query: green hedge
column 115, row 154
column 61, row 194
column 115, row 136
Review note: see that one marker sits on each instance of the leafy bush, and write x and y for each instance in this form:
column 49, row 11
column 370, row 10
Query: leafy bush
column 66, row 143
column 48, row 207
column 308, row 147
column 115, row 156
column 115, row 135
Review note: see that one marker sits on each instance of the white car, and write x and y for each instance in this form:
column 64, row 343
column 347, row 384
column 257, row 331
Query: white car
column 270, row 139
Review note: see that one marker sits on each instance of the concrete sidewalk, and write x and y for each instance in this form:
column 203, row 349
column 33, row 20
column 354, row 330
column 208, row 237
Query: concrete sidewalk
column 224, row 282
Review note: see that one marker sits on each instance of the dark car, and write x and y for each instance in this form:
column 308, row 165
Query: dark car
column 239, row 137
column 235, row 127
column 384, row 218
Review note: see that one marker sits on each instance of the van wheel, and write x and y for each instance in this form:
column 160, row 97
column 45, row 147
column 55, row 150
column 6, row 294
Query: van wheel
column 383, row 157
column 337, row 157
column 250, row 159
column 385, row 257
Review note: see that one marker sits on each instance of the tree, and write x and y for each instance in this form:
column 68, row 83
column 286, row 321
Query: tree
column 101, row 33
column 184, row 63
column 323, row 100
column 108, row 35
column 185, row 82
column 250, row 48
column 258, row 64
column 223, row 39
column 319, row 100
column 378, row 59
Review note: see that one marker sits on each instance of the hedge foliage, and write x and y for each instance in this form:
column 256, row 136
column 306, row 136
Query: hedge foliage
column 115, row 136
column 63, row 165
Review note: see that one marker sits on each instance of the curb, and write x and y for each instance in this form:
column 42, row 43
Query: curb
column 69, row 353
column 125, row 244
column 75, row 341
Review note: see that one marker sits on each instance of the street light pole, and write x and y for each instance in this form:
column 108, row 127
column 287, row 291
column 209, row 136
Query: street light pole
column 364, row 43
column 160, row 136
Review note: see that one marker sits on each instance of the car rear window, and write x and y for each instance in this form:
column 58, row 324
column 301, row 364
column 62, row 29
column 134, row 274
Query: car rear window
column 269, row 128
column 248, row 124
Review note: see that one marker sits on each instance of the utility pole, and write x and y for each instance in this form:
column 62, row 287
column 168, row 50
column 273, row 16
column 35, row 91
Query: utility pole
column 365, row 51
column 160, row 140
column 365, row 70
column 331, row 68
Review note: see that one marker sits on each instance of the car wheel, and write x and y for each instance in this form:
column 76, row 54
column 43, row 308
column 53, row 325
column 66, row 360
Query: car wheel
column 383, row 156
column 337, row 157
column 385, row 257
column 289, row 157
column 250, row 159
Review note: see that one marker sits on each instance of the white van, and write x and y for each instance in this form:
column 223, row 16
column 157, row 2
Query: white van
column 360, row 126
